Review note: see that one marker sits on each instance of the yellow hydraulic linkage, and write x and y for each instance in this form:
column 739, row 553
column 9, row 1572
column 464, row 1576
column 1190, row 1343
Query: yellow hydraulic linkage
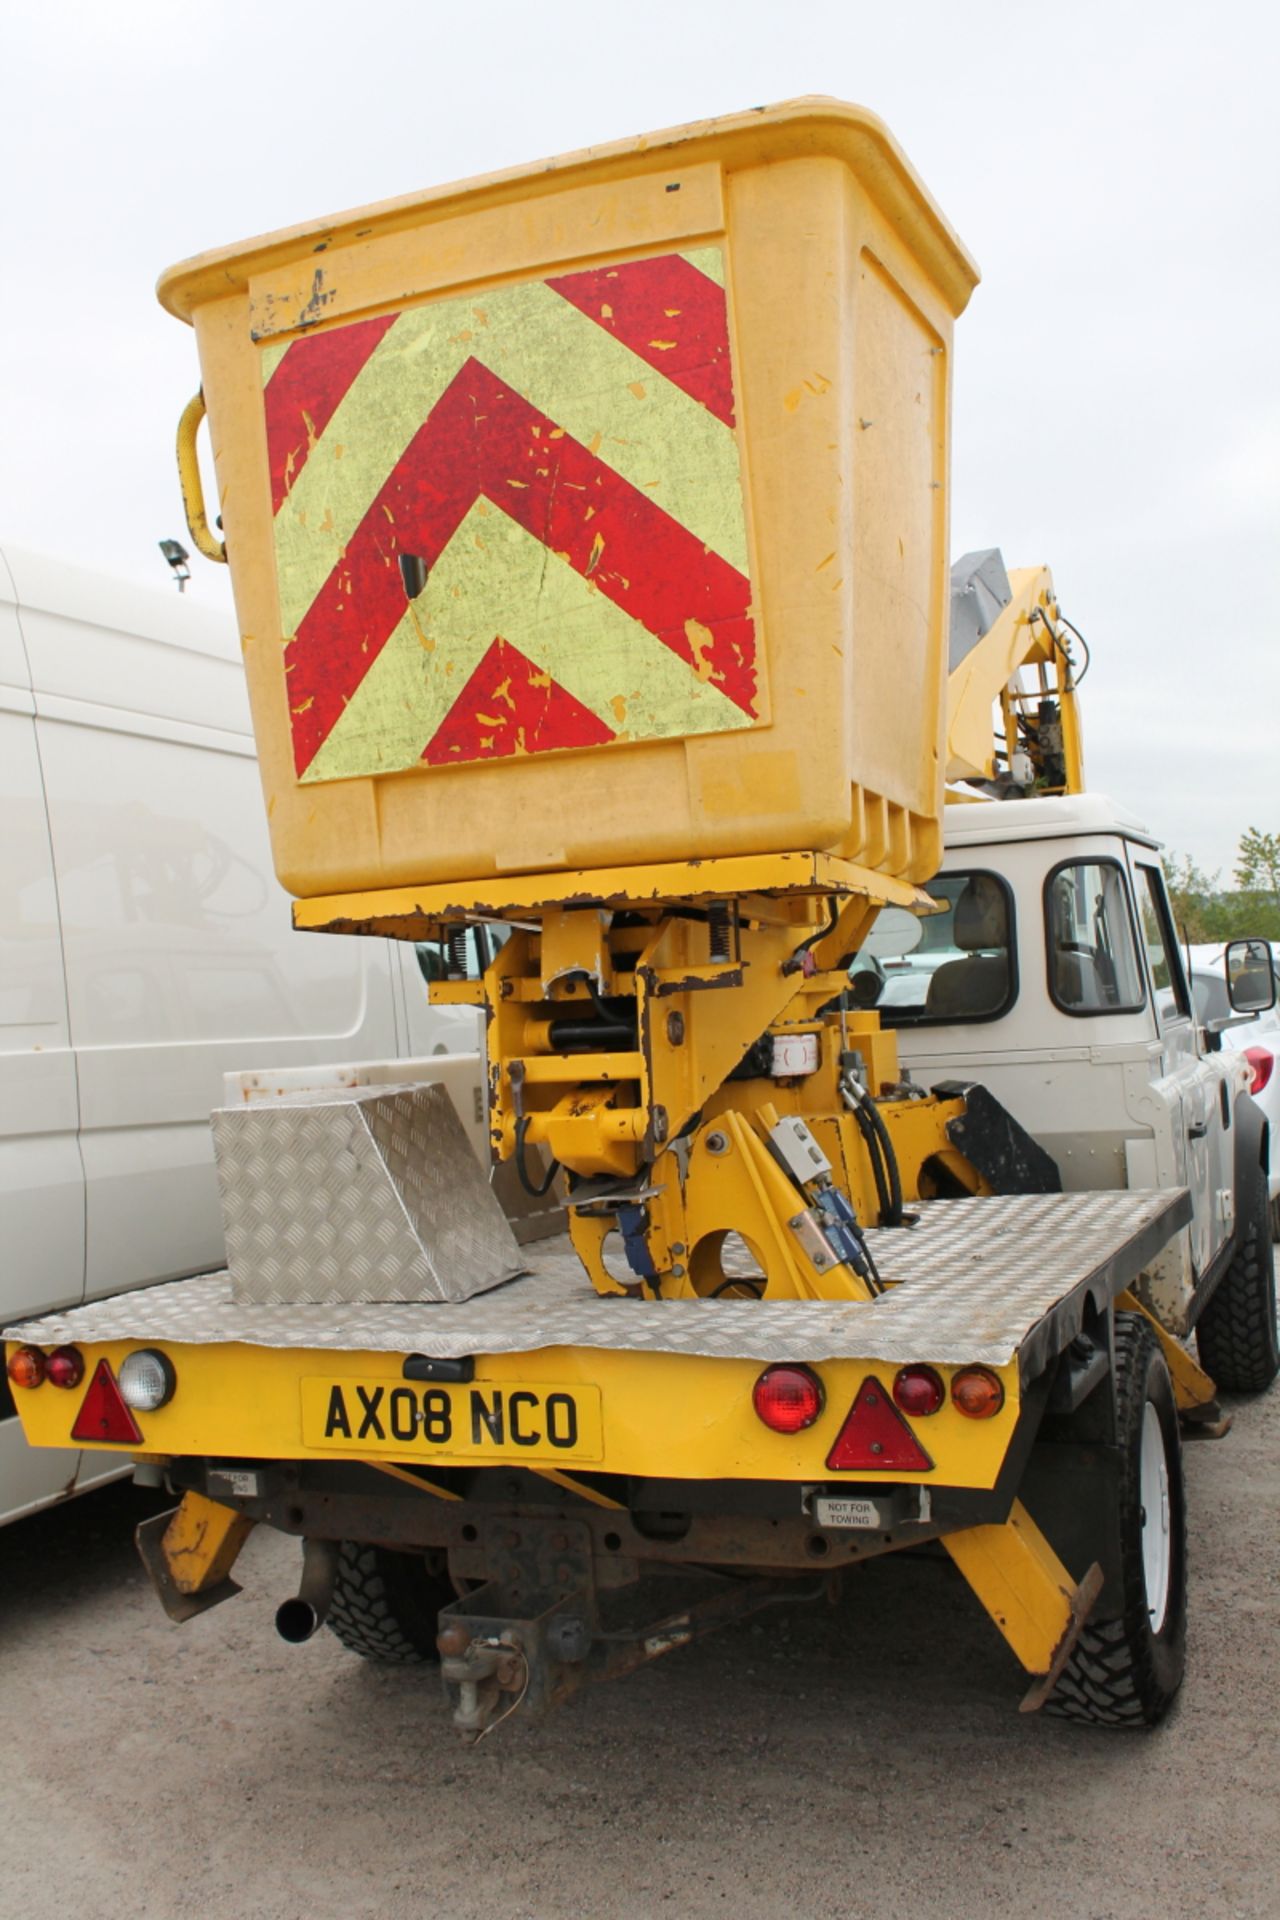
column 619, row 1012
column 1003, row 624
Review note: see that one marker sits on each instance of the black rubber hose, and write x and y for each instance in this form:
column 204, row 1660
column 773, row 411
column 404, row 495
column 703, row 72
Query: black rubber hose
column 534, row 1191
column 868, row 1115
column 891, row 1163
column 875, row 1155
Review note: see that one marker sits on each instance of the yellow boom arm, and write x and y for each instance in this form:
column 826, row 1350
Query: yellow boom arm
column 994, row 638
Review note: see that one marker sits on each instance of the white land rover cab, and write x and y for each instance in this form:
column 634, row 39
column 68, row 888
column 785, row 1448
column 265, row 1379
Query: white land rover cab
column 1054, row 978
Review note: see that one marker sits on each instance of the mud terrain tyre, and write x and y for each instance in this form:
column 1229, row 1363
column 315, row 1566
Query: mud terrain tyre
column 1236, row 1333
column 1125, row 1671
column 385, row 1604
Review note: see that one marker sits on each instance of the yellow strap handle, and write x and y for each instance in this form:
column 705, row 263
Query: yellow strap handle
column 190, row 482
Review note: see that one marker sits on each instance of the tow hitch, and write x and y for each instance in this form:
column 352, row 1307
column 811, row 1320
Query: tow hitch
column 541, row 1627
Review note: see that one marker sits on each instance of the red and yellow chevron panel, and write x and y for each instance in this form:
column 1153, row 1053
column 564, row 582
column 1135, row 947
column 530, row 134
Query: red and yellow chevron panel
column 562, row 455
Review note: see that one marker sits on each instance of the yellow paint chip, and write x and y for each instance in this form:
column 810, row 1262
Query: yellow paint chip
column 700, row 642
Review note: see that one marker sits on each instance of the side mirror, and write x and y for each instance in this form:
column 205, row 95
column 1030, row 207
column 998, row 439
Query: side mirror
column 1251, row 983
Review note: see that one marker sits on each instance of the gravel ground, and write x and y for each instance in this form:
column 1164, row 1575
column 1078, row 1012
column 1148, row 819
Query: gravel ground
column 863, row 1759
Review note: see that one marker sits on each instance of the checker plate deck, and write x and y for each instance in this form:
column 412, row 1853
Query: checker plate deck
column 977, row 1281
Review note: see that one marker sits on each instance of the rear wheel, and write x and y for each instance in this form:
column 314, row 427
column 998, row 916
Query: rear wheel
column 1125, row 1670
column 1236, row 1333
column 386, row 1605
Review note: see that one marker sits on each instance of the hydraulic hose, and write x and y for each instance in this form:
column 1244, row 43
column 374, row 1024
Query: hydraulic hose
column 531, row 1186
column 871, row 1140
column 884, row 1159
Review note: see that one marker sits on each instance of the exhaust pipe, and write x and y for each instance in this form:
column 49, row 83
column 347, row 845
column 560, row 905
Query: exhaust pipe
column 297, row 1619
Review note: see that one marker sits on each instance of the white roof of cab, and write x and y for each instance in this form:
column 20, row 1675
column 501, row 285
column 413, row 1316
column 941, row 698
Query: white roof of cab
column 979, row 822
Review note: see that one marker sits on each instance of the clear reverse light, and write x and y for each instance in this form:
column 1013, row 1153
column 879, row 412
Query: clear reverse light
column 146, row 1380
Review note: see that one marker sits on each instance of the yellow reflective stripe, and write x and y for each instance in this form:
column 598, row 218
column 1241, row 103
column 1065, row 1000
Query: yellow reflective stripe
column 496, row 579
column 641, row 425
column 708, row 260
column 272, row 354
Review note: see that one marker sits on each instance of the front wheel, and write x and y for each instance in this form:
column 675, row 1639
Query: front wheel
column 1236, row 1334
column 1125, row 1670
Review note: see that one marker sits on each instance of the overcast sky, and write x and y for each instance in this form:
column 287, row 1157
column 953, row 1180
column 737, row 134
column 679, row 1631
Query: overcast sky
column 1114, row 168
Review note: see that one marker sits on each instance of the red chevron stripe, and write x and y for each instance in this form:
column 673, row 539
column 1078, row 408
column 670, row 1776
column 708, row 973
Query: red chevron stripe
column 510, row 706
column 670, row 315
column 483, row 438
column 304, row 392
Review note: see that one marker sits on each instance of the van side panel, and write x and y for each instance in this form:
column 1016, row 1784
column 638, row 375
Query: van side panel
column 181, row 961
column 41, row 1180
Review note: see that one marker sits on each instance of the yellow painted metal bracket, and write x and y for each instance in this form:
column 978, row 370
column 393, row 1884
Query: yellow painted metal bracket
column 1194, row 1393
column 1028, row 1593
column 192, row 486
column 189, row 1553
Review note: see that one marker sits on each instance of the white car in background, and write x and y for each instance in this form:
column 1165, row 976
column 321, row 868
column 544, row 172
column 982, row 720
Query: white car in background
column 1258, row 1039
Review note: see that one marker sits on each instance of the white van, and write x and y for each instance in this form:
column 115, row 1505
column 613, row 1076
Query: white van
column 145, row 950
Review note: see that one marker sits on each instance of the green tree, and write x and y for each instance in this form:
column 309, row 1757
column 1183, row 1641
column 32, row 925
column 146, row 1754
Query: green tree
column 1258, row 862
column 1205, row 911
column 1194, row 897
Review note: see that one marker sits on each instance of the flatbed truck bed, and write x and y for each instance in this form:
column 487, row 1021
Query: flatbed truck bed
column 628, row 1430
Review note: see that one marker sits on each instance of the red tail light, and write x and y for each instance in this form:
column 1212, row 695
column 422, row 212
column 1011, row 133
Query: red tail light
column 1262, row 1063
column 918, row 1390
column 103, row 1414
column 787, row 1399
column 875, row 1438
column 65, row 1367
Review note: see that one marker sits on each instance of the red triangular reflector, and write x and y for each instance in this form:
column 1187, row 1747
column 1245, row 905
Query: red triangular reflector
column 103, row 1414
column 875, row 1438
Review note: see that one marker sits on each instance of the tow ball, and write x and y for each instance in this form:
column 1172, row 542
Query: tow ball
column 482, row 1671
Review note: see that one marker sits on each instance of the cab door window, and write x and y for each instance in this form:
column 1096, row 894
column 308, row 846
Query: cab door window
column 1093, row 958
column 1163, row 958
column 942, row 968
column 482, row 942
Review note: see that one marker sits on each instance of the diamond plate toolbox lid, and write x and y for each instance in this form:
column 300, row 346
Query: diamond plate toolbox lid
column 371, row 1195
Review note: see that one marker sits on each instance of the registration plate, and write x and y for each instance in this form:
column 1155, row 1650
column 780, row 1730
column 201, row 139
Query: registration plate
column 483, row 1420
column 856, row 1515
